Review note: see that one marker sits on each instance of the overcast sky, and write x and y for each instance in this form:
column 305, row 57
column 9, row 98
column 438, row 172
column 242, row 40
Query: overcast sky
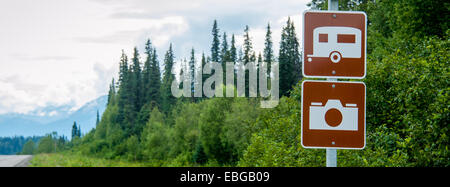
column 57, row 52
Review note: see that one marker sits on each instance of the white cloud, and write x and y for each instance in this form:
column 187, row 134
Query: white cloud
column 66, row 52
column 53, row 113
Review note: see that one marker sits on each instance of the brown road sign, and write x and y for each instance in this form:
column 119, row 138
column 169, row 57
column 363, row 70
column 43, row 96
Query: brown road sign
column 333, row 115
column 334, row 44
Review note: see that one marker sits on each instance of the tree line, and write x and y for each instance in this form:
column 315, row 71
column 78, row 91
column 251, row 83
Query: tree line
column 142, row 112
column 140, row 89
column 14, row 145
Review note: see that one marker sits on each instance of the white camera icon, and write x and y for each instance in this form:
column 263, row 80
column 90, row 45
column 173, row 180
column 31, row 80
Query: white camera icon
column 333, row 116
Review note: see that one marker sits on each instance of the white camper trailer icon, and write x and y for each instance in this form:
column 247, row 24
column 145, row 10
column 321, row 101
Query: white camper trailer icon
column 336, row 43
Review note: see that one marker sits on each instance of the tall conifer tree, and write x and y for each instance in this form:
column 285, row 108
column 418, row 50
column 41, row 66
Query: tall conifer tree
column 98, row 119
column 147, row 72
column 192, row 73
column 111, row 92
column 233, row 50
column 74, row 130
column 233, row 56
column 124, row 93
column 204, row 76
column 167, row 98
column 249, row 56
column 224, row 55
column 215, row 47
column 155, row 80
column 136, row 82
column 289, row 59
column 268, row 50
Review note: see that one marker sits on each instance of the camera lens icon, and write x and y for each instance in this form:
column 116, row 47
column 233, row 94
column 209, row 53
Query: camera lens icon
column 333, row 116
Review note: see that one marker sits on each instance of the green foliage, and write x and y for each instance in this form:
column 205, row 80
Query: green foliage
column 156, row 137
column 408, row 93
column 407, row 112
column 70, row 159
column 211, row 127
column 199, row 154
column 51, row 143
column 132, row 148
column 239, row 125
column 29, row 148
column 186, row 129
column 267, row 153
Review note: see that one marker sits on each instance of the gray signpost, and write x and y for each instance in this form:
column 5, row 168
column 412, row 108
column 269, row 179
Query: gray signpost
column 332, row 153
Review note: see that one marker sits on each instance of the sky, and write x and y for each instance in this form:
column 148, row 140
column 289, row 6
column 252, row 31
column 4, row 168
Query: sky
column 58, row 53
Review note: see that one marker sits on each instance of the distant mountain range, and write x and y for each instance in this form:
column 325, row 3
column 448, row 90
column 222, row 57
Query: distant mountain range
column 52, row 119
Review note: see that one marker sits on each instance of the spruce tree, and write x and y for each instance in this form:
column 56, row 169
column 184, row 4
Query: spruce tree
column 249, row 56
column 192, row 73
column 74, row 130
column 125, row 95
column 98, row 119
column 233, row 56
column 224, row 52
column 152, row 86
column 268, row 50
column 224, row 55
column 111, row 93
column 215, row 47
column 289, row 59
column 204, row 76
column 295, row 56
column 168, row 100
column 233, row 50
column 285, row 66
column 136, row 82
column 123, row 69
column 147, row 72
column 155, row 81
column 258, row 64
column 248, row 48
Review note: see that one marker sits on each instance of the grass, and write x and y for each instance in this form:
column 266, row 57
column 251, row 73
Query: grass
column 77, row 160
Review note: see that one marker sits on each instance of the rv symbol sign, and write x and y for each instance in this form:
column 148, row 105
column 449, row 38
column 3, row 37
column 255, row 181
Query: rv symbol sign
column 334, row 44
column 333, row 114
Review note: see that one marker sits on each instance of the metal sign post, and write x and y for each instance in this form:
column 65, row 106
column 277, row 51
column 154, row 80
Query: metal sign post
column 331, row 157
column 333, row 5
column 332, row 153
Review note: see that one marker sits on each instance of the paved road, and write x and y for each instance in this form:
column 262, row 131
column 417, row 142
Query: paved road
column 14, row 160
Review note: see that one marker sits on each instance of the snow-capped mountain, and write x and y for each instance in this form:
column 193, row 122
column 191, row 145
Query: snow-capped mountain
column 52, row 118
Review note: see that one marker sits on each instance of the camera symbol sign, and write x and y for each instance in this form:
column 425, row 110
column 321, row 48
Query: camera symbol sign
column 333, row 114
column 334, row 44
